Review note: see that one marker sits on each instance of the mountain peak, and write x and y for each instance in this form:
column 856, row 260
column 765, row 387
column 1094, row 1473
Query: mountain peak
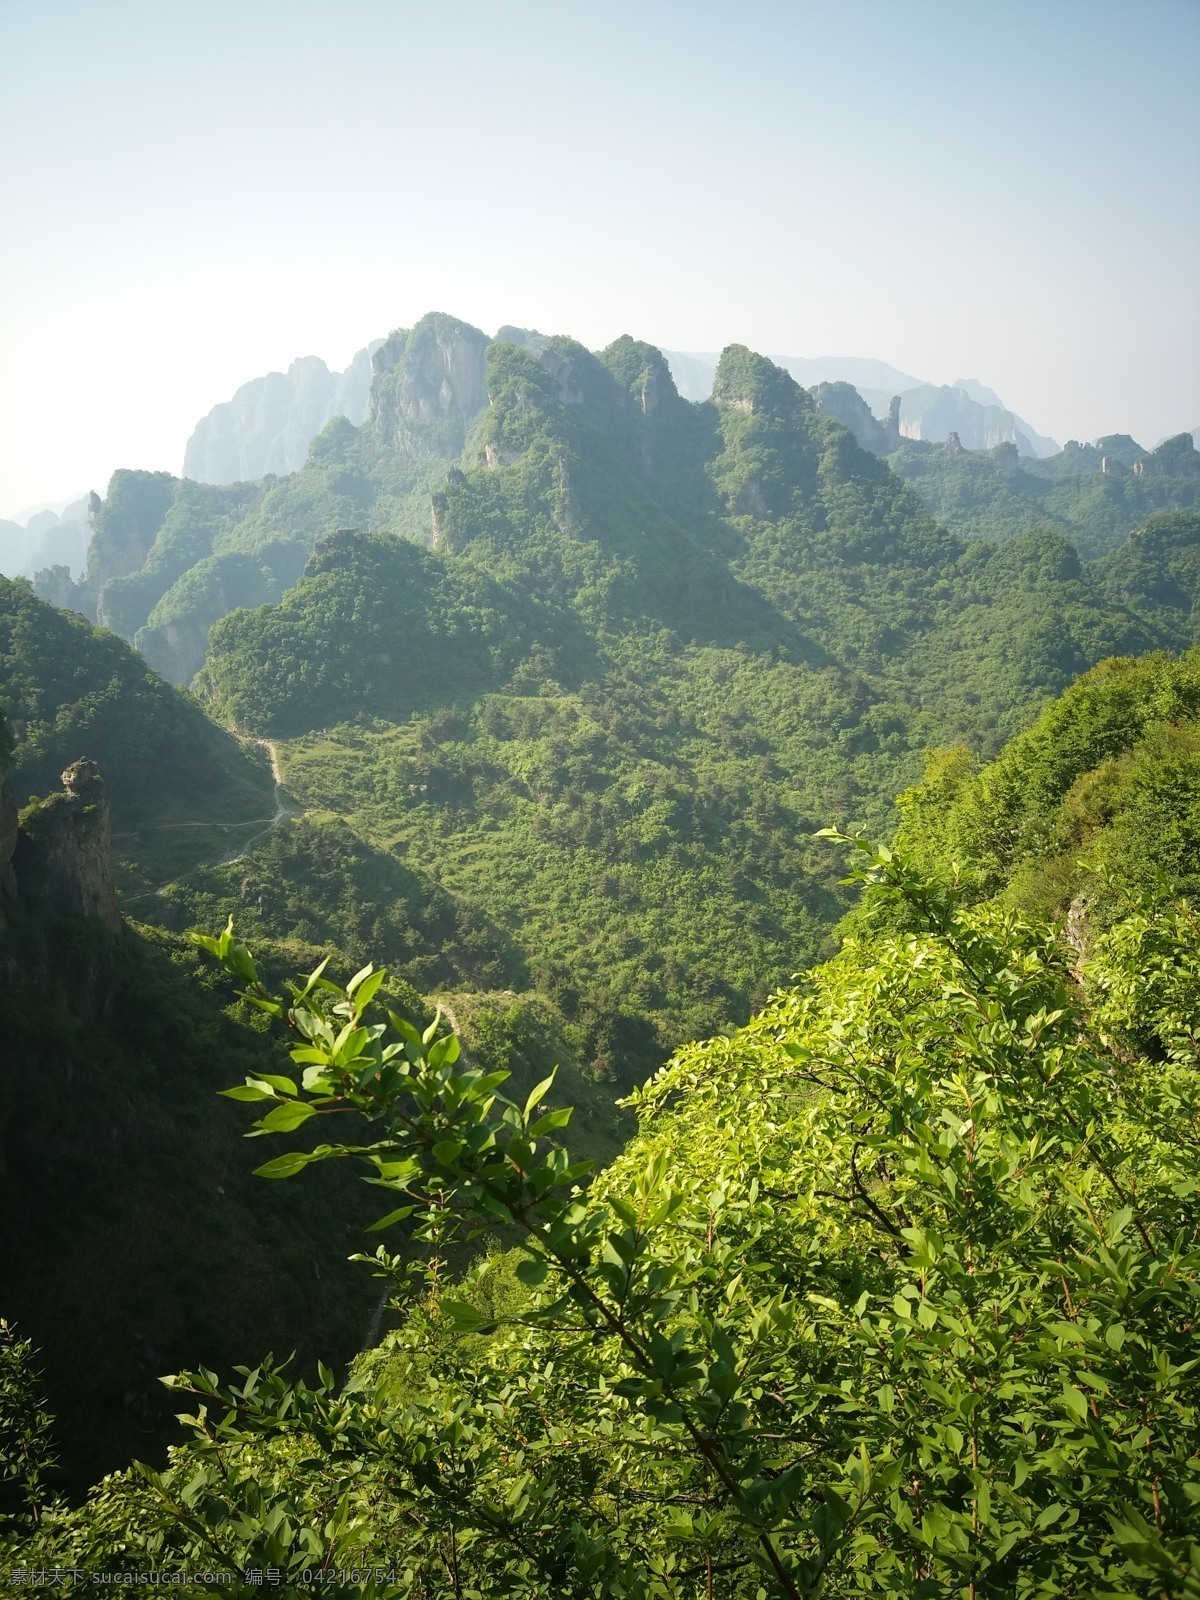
column 749, row 382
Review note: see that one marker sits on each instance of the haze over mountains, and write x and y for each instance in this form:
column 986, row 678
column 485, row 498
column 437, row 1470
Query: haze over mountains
column 46, row 538
column 268, row 424
column 169, row 557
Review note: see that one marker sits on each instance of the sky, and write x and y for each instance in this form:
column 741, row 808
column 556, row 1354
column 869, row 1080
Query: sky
column 195, row 192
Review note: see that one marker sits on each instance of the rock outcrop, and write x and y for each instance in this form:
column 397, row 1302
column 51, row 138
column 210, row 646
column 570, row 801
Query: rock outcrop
column 430, row 381
column 56, row 586
column 61, row 852
column 935, row 412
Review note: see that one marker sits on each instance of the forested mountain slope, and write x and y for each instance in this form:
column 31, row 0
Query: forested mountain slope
column 183, row 791
column 1096, row 495
column 169, row 557
column 654, row 647
column 894, row 1291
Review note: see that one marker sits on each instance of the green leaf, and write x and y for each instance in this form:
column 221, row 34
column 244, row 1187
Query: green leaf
column 284, row 1118
column 284, row 1166
column 551, row 1120
column 538, row 1094
column 314, row 977
column 247, row 1091
column 404, row 1028
column 532, row 1270
column 464, row 1318
column 393, row 1216
column 368, row 989
column 276, row 1081
column 1075, row 1402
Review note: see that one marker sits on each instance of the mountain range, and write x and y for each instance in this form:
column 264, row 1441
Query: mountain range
column 537, row 686
column 47, row 538
column 268, row 424
column 169, row 557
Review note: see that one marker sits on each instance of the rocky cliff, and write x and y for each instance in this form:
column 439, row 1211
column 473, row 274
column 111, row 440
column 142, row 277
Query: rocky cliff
column 844, row 404
column 937, row 411
column 430, row 381
column 269, row 423
column 60, row 853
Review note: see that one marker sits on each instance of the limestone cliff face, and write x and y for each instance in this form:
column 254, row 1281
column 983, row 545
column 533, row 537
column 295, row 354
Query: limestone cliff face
column 430, row 381
column 271, row 421
column 844, row 404
column 61, row 855
column 125, row 525
column 56, row 585
column 935, row 412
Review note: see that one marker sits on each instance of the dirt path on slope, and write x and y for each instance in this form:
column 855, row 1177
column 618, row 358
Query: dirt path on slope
column 285, row 807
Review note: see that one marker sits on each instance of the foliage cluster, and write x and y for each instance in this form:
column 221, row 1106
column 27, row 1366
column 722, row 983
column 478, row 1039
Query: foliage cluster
column 1098, row 801
column 893, row 1293
column 657, row 645
column 1087, row 493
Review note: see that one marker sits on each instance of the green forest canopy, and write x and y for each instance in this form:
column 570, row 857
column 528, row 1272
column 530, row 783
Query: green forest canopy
column 893, row 1292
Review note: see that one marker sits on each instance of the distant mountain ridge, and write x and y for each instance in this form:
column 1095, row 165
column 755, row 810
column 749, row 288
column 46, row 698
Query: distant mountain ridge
column 169, row 557
column 47, row 538
column 270, row 422
column 927, row 411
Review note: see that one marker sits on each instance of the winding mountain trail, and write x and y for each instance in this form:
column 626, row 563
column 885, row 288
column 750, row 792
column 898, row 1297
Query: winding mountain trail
column 285, row 807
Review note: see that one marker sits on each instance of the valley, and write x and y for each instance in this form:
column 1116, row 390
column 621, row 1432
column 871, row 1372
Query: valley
column 562, row 698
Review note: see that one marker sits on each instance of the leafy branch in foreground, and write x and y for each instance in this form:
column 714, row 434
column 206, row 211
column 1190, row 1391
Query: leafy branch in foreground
column 895, row 1293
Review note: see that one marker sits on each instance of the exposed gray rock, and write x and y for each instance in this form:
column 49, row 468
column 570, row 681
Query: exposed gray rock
column 430, row 381
column 935, row 412
column 55, row 585
column 844, row 404
column 64, row 848
column 74, row 837
column 269, row 423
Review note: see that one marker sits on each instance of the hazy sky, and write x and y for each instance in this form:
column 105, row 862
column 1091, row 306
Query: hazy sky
column 195, row 192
